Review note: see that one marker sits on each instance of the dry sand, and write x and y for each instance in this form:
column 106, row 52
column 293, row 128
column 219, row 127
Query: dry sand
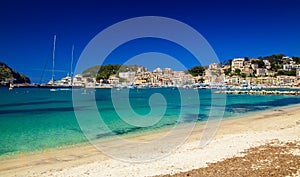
column 234, row 136
column 273, row 159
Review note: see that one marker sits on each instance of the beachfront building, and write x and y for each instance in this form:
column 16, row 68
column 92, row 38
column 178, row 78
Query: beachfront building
column 237, row 63
column 286, row 80
column 65, row 81
column 78, row 80
column 113, row 80
column 180, row 78
column 264, row 80
column 234, row 80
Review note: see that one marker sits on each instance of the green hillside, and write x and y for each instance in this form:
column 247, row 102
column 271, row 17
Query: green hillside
column 8, row 75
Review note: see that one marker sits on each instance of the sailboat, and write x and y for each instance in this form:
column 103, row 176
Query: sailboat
column 63, row 84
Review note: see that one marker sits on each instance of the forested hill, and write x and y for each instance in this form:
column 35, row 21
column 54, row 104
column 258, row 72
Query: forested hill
column 8, row 75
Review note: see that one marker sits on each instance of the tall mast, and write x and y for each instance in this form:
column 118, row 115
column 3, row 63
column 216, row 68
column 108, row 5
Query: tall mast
column 53, row 57
column 71, row 72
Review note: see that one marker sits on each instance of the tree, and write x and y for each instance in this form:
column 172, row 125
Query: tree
column 197, row 71
column 281, row 72
column 122, row 79
column 237, row 71
column 201, row 80
column 106, row 71
column 91, row 72
column 246, row 58
column 220, row 64
column 291, row 72
column 243, row 75
column 260, row 63
column 296, row 59
column 288, row 73
column 228, row 71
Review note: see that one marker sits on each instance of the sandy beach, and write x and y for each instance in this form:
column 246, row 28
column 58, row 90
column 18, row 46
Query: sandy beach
column 234, row 136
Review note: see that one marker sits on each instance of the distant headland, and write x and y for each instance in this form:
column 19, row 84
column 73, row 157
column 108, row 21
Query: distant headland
column 8, row 76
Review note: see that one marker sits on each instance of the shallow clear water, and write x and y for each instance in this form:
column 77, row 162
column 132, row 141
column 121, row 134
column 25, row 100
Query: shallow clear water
column 36, row 119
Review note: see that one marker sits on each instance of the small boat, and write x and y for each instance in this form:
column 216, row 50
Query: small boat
column 11, row 86
column 65, row 89
column 53, row 90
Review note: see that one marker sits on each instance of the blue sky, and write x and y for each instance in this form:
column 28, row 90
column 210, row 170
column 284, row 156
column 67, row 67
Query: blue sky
column 233, row 28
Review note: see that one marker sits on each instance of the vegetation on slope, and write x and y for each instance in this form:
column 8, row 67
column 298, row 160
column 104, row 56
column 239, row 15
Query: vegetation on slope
column 8, row 75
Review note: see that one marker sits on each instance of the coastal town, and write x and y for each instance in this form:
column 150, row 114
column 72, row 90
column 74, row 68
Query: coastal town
column 262, row 72
column 238, row 72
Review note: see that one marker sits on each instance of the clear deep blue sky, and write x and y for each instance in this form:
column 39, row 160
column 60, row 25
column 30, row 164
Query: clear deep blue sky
column 233, row 28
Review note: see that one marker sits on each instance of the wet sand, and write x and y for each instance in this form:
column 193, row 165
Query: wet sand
column 233, row 136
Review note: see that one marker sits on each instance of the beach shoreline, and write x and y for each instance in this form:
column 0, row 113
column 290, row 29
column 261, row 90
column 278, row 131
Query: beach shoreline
column 233, row 136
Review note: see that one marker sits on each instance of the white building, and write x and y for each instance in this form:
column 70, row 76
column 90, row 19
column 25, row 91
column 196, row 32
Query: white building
column 214, row 66
column 157, row 71
column 113, row 80
column 286, row 57
column 237, row 63
column 261, row 72
column 286, row 80
column 168, row 71
column 77, row 80
column 288, row 67
column 267, row 64
column 66, row 81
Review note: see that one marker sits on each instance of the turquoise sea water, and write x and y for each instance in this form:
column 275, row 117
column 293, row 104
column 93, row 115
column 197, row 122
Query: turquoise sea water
column 37, row 119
